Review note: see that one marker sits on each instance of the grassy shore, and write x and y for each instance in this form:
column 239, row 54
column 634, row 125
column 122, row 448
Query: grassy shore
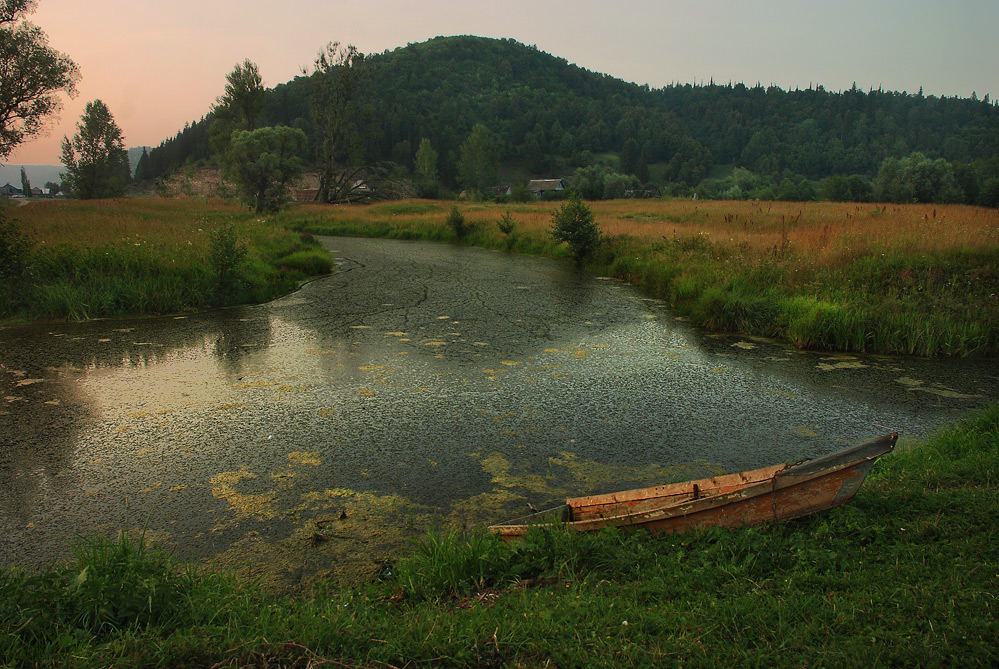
column 909, row 279
column 907, row 574
column 104, row 258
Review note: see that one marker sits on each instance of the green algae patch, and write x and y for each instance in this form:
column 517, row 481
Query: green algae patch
column 304, row 458
column 255, row 505
column 501, row 471
column 591, row 475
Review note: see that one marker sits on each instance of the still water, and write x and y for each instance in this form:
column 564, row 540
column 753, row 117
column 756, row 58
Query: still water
column 420, row 384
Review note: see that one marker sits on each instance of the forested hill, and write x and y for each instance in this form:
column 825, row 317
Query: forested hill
column 549, row 117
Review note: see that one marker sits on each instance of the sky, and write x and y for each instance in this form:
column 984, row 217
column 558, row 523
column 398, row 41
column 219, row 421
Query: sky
column 158, row 65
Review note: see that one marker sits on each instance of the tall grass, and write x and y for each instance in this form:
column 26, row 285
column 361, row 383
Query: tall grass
column 116, row 257
column 911, row 279
column 906, row 574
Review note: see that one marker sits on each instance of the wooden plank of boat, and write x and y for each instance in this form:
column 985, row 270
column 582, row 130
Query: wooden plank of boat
column 769, row 494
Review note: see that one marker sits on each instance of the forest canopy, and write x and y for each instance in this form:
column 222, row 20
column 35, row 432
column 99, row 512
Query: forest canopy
column 549, row 118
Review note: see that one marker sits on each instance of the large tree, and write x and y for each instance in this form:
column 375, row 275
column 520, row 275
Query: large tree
column 479, row 162
column 96, row 160
column 31, row 73
column 333, row 83
column 237, row 108
column 263, row 162
column 425, row 167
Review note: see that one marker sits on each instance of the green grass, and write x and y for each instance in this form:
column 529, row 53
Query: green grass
column 906, row 574
column 116, row 258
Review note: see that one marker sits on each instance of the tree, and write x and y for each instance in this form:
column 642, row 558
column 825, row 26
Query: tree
column 336, row 75
column 263, row 162
column 30, row 76
column 96, row 161
column 575, row 225
column 237, row 108
column 52, row 187
column 425, row 166
column 143, row 169
column 25, row 184
column 629, row 156
column 479, row 162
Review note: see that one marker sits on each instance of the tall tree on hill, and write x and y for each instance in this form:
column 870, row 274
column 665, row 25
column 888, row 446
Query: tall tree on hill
column 25, row 184
column 334, row 80
column 31, row 74
column 425, row 166
column 479, row 162
column 237, row 108
column 96, row 160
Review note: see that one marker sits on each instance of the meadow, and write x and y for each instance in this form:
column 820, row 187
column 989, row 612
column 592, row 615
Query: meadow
column 906, row 574
column 905, row 279
column 104, row 258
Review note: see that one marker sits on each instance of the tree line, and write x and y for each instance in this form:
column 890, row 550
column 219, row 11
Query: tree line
column 549, row 118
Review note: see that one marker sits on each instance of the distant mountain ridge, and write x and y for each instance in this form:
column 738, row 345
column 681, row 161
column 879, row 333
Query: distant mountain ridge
column 549, row 117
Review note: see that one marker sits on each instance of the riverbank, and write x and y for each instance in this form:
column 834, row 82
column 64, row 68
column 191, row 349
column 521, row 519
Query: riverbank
column 885, row 279
column 75, row 260
column 905, row 574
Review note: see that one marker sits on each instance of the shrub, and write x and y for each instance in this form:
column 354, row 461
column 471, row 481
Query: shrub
column 456, row 222
column 575, row 225
column 225, row 255
column 15, row 265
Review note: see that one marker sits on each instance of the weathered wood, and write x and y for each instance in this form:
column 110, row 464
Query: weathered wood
column 769, row 494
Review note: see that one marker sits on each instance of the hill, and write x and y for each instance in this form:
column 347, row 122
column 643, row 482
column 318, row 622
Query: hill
column 550, row 117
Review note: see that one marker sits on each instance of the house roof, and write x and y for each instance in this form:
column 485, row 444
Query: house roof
column 545, row 184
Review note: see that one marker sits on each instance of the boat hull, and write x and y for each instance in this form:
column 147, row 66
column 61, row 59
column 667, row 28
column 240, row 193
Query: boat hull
column 768, row 494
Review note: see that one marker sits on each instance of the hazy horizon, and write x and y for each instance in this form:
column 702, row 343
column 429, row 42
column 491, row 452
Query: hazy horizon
column 158, row 69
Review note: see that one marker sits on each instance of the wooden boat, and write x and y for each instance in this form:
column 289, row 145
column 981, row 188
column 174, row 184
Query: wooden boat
column 768, row 494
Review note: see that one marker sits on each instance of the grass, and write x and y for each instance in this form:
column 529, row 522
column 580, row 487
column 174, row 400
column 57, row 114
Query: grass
column 109, row 258
column 905, row 279
column 907, row 574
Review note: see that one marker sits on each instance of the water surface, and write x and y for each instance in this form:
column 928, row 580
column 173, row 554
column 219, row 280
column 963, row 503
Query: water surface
column 420, row 384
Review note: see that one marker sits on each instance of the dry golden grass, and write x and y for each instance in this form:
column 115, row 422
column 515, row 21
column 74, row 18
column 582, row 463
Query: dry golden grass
column 826, row 233
column 95, row 222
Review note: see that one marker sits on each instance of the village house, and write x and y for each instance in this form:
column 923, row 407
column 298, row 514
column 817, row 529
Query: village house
column 541, row 187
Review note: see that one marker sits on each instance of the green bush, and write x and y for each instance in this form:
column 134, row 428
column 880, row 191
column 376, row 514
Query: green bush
column 575, row 225
column 456, row 222
column 225, row 255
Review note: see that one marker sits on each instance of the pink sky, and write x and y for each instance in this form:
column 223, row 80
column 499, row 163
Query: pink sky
column 158, row 65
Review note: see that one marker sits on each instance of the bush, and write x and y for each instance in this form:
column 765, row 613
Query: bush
column 225, row 255
column 15, row 266
column 575, row 225
column 456, row 222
